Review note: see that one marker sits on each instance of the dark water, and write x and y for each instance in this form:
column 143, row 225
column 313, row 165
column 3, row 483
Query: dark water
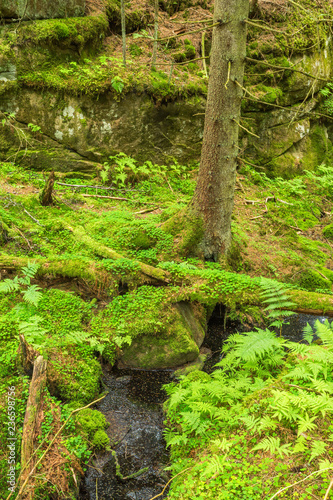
column 133, row 408
column 217, row 335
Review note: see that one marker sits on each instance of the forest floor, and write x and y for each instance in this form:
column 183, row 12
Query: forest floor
column 281, row 230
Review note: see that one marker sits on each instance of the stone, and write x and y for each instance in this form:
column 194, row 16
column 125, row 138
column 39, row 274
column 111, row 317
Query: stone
column 177, row 343
column 41, row 9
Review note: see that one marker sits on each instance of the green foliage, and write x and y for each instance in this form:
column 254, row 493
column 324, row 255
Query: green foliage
column 327, row 93
column 328, row 231
column 101, row 440
column 265, row 411
column 273, row 294
column 311, row 280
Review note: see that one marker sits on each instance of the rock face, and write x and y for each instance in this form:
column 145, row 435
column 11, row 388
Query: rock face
column 96, row 129
column 41, row 9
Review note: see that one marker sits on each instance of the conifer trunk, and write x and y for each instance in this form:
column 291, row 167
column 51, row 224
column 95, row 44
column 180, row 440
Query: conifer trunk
column 214, row 194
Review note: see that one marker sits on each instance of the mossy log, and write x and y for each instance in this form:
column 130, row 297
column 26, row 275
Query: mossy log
column 104, row 251
column 89, row 271
column 34, row 405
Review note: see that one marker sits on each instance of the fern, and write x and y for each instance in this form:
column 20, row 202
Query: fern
column 32, row 295
column 8, row 285
column 306, row 424
column 273, row 445
column 253, row 347
column 273, row 294
column 317, row 449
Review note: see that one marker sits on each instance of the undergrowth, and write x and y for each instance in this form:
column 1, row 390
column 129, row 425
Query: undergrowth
column 260, row 422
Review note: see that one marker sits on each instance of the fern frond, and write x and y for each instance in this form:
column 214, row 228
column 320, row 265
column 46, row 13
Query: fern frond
column 308, row 333
column 8, row 285
column 306, row 424
column 317, row 448
column 273, row 445
column 32, row 295
column 30, row 270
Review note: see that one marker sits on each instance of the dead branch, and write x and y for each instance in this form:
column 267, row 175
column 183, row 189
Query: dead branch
column 34, row 404
column 287, row 69
column 101, row 196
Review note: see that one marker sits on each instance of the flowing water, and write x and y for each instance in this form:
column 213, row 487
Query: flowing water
column 133, row 407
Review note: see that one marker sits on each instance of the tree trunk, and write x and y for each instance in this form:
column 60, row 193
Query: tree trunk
column 214, row 194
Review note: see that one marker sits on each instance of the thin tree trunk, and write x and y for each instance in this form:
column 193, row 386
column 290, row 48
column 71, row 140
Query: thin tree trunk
column 155, row 35
column 123, row 29
column 214, row 194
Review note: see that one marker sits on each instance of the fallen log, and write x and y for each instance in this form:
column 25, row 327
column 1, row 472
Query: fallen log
column 34, row 405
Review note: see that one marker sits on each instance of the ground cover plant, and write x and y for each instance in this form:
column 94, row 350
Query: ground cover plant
column 75, row 275
column 259, row 426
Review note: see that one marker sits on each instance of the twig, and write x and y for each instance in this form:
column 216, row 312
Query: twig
column 210, row 19
column 165, row 487
column 108, row 197
column 286, row 69
column 228, row 76
column 243, row 88
column 268, row 28
column 301, row 481
column 248, row 131
column 49, row 446
column 182, row 63
column 328, row 489
column 145, row 211
column 203, row 53
column 84, row 186
column 189, row 32
column 25, row 239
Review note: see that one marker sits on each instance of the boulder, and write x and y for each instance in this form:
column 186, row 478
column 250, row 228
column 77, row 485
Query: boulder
column 177, row 343
column 41, row 9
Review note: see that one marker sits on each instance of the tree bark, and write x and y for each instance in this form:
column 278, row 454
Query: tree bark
column 46, row 197
column 34, row 406
column 214, row 194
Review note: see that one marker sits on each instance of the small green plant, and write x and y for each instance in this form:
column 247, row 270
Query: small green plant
column 273, row 294
column 117, row 84
column 34, row 128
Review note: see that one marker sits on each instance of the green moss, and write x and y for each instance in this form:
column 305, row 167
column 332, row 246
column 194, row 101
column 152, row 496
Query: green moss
column 311, row 280
column 71, row 376
column 90, row 421
column 101, row 440
column 64, row 32
column 328, row 231
column 187, row 228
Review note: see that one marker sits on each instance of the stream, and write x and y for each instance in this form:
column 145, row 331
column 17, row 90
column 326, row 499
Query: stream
column 133, row 407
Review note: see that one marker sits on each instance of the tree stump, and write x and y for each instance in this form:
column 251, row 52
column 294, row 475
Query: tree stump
column 46, row 197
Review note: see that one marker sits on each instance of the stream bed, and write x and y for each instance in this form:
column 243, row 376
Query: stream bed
column 133, row 407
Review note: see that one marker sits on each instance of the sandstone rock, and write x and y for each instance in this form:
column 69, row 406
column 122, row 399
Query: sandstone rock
column 41, row 9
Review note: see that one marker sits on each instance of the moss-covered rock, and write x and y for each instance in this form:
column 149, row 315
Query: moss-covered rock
column 174, row 345
column 41, row 9
column 328, row 231
column 312, row 280
column 73, row 378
